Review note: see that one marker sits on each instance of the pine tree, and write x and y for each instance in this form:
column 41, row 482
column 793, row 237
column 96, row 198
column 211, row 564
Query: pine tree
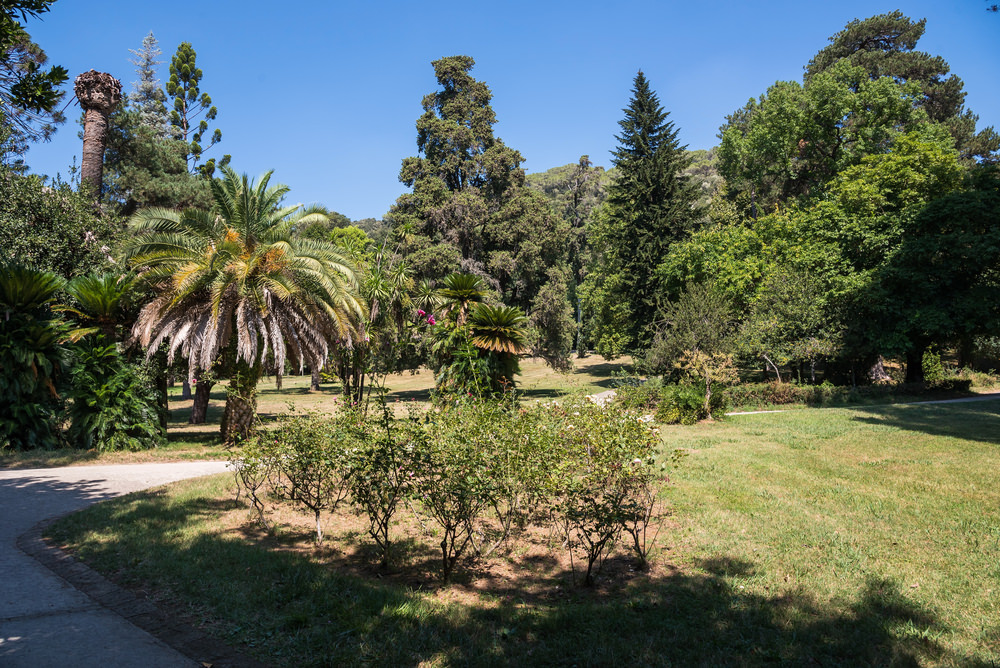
column 650, row 205
column 190, row 104
column 147, row 99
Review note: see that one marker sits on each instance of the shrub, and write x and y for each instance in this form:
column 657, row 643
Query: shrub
column 481, row 470
column 34, row 363
column 930, row 364
column 114, row 403
column 382, row 464
column 604, row 482
column 311, row 456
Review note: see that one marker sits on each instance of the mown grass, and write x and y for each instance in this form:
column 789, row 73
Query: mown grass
column 815, row 537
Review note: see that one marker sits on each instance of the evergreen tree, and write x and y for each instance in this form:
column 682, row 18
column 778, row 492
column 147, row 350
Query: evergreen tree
column 192, row 110
column 470, row 209
column 651, row 204
column 29, row 94
column 147, row 99
column 145, row 165
column 884, row 45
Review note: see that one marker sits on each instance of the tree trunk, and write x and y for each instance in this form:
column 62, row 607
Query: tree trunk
column 314, row 384
column 241, row 404
column 199, row 408
column 95, row 130
column 966, row 352
column 186, row 390
column 99, row 93
column 774, row 366
column 915, row 364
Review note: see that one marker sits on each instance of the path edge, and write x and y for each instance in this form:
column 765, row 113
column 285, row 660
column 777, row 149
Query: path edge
column 182, row 637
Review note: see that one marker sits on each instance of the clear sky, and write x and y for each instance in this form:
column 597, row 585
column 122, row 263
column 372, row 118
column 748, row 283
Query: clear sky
column 327, row 93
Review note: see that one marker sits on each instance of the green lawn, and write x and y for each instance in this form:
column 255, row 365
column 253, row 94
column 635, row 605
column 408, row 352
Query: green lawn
column 813, row 537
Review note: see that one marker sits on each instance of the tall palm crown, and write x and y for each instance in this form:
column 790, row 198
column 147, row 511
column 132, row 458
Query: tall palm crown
column 236, row 277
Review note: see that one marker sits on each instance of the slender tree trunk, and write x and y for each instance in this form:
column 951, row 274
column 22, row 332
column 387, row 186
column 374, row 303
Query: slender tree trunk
column 314, row 384
column 774, row 366
column 186, row 390
column 199, row 408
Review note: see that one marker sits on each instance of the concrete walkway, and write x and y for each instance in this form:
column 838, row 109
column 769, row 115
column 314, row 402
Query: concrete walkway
column 45, row 621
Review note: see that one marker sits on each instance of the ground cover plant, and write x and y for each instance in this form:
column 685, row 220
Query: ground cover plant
column 864, row 536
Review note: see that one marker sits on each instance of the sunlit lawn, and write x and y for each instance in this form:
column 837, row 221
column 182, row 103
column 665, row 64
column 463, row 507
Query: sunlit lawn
column 814, row 537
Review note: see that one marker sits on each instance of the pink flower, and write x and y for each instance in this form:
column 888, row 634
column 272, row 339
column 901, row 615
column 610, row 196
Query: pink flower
column 421, row 312
column 431, row 320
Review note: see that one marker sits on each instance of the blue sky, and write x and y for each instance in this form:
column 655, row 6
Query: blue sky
column 327, row 93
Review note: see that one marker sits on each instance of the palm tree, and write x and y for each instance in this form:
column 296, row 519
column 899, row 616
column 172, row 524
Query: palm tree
column 237, row 290
column 99, row 93
column 477, row 348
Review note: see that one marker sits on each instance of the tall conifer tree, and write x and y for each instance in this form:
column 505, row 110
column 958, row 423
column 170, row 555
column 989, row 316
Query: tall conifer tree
column 193, row 109
column 650, row 205
column 147, row 97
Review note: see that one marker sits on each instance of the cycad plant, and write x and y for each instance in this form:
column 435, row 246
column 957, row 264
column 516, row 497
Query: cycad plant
column 233, row 286
column 101, row 302
column 34, row 363
column 477, row 346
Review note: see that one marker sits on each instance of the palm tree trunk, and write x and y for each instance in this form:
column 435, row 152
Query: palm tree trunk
column 241, row 404
column 99, row 93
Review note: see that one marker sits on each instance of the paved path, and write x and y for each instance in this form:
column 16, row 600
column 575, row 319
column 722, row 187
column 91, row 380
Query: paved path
column 45, row 621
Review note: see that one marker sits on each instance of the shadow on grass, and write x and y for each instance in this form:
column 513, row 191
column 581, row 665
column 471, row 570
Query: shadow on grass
column 974, row 421
column 409, row 395
column 195, row 437
column 605, row 370
column 540, row 393
column 292, row 611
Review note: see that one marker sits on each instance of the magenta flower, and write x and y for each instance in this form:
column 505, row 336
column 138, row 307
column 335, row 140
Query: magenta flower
column 421, row 312
column 431, row 320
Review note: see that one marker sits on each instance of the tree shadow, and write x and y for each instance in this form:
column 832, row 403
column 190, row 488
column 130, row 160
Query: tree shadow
column 196, row 437
column 280, row 603
column 541, row 393
column 974, row 421
column 409, row 395
column 604, row 370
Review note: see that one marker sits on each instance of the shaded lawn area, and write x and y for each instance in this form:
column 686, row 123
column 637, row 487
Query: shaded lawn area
column 815, row 537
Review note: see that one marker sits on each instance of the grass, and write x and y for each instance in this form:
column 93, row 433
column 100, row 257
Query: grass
column 867, row 536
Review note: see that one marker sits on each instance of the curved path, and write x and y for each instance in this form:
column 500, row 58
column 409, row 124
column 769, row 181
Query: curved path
column 46, row 621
